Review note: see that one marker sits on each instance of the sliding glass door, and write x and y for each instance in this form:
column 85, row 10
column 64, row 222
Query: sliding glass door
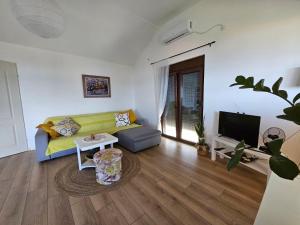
column 184, row 106
column 191, row 105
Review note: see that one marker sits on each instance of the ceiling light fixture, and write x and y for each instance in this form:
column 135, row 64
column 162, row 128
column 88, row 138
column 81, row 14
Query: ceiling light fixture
column 41, row 17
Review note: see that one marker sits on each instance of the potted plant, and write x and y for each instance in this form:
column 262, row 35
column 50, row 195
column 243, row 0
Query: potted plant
column 202, row 146
column 279, row 163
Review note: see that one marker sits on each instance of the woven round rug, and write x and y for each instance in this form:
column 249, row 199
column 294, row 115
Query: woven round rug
column 83, row 183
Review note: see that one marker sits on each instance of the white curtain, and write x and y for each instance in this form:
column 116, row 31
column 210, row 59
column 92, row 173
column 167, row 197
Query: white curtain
column 161, row 73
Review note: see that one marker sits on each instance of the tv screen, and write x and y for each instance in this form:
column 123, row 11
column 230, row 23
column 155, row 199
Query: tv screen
column 240, row 127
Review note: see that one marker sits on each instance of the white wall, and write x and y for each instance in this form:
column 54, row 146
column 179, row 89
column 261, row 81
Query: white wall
column 51, row 84
column 261, row 39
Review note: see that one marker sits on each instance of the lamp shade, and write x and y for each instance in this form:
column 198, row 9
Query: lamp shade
column 41, row 17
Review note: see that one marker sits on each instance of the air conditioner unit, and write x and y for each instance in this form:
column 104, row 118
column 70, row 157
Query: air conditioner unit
column 180, row 30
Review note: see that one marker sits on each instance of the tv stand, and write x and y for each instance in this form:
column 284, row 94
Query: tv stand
column 261, row 164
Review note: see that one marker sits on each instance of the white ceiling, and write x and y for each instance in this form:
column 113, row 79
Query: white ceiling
column 114, row 30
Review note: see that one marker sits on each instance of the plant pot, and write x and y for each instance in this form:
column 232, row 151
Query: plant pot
column 202, row 150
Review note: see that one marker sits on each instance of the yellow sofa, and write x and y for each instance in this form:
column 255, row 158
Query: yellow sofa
column 90, row 124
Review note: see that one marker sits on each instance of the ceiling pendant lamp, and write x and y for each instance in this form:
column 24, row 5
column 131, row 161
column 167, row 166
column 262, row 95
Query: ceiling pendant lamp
column 41, row 17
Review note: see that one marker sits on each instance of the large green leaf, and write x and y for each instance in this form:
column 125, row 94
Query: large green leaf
column 276, row 85
column 199, row 129
column 284, row 167
column 259, row 86
column 297, row 97
column 250, row 81
column 291, row 114
column 236, row 158
column 240, row 79
column 283, row 94
column 243, row 82
column 267, row 89
column 275, row 146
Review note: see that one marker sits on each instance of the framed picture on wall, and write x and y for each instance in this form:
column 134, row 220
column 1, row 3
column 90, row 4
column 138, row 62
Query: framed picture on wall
column 96, row 86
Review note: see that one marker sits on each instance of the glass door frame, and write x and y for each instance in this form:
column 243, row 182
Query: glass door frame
column 178, row 70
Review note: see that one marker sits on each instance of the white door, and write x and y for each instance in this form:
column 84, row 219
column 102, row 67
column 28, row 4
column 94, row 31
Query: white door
column 12, row 130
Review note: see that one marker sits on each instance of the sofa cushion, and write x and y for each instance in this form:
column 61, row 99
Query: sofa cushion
column 139, row 134
column 47, row 128
column 67, row 127
column 132, row 116
column 122, row 119
column 139, row 138
column 63, row 143
column 90, row 122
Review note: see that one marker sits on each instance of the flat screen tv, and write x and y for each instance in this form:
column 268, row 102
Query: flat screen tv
column 240, row 127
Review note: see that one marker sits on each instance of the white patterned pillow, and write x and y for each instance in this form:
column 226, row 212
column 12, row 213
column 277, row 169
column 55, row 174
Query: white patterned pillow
column 122, row 119
column 67, row 127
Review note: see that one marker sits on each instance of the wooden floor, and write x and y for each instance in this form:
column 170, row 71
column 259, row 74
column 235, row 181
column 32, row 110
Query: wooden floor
column 175, row 186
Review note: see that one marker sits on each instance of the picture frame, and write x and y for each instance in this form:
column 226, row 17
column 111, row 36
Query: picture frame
column 96, row 86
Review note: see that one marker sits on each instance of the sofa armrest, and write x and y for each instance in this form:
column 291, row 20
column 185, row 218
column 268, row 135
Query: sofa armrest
column 41, row 145
column 141, row 122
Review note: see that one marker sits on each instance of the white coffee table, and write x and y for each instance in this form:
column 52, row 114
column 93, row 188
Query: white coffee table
column 82, row 146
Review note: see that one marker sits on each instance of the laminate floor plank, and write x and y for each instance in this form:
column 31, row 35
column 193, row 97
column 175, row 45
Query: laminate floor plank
column 212, row 217
column 242, row 205
column 126, row 206
column 59, row 210
column 183, row 177
column 144, row 220
column 13, row 208
column 171, row 169
column 153, row 209
column 180, row 180
column 36, row 208
column 84, row 213
column 3, row 163
column 23, row 175
column 39, row 177
column 99, row 201
column 4, row 190
column 239, row 176
column 110, row 215
column 169, row 202
column 151, row 187
column 223, row 176
column 175, row 186
column 182, row 213
column 213, row 204
column 11, row 167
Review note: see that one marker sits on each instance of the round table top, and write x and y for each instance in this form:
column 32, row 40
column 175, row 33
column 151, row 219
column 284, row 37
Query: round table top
column 108, row 155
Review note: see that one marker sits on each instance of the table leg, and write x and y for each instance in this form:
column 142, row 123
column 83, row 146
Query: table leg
column 221, row 156
column 79, row 158
column 213, row 151
column 111, row 145
column 102, row 147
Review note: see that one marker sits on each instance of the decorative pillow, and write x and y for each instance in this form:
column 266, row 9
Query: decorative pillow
column 67, row 127
column 122, row 119
column 47, row 128
column 132, row 116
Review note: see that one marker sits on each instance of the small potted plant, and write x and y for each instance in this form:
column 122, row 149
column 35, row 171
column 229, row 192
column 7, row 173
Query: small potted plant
column 201, row 146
